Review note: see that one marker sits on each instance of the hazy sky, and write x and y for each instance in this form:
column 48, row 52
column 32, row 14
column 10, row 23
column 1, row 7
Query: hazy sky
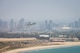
column 36, row 10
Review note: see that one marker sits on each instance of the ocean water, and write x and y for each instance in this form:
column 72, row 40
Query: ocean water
column 74, row 49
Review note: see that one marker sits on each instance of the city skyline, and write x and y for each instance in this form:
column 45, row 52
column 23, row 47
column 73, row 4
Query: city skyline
column 59, row 11
column 22, row 25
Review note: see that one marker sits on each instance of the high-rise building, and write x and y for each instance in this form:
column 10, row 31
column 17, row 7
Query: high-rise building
column 3, row 26
column 76, row 24
column 71, row 25
column 41, row 26
column 50, row 25
column 0, row 22
column 11, row 25
column 46, row 25
column 21, row 24
column 79, row 22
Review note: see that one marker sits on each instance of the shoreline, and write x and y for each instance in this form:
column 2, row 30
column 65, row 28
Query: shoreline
column 65, row 44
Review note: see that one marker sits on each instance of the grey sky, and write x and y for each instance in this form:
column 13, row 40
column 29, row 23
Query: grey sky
column 36, row 10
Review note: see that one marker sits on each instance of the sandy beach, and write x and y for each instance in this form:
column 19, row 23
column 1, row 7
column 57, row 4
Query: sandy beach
column 15, row 39
column 64, row 44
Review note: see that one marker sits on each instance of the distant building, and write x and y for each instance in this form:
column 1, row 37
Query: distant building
column 76, row 24
column 21, row 24
column 42, row 26
column 46, row 25
column 65, row 27
column 3, row 26
column 44, row 36
column 79, row 22
column 50, row 25
column 0, row 22
column 71, row 25
column 12, row 25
